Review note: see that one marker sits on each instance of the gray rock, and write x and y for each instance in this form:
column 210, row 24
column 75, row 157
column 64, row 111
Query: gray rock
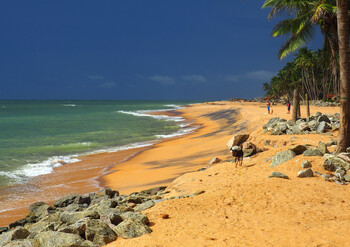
column 282, row 157
column 154, row 191
column 214, row 160
column 332, row 142
column 327, row 165
column 348, row 150
column 65, row 201
column 323, row 148
column 4, row 229
column 323, row 118
column 322, row 127
column 298, row 149
column 306, row 173
column 16, row 234
column 48, row 223
column 248, row 152
column 99, row 232
column 135, row 216
column 312, row 124
column 237, row 140
column 347, row 178
column 130, row 228
column 317, row 114
column 312, row 152
column 282, row 127
column 336, row 161
column 144, row 206
column 306, row 164
column 110, row 193
column 304, row 126
column 340, row 172
column 61, row 239
column 278, row 175
column 72, row 217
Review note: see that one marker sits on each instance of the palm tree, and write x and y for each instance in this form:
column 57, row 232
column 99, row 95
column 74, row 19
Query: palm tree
column 307, row 14
column 344, row 61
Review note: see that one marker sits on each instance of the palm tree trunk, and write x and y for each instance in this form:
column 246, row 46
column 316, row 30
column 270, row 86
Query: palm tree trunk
column 344, row 62
column 295, row 105
column 307, row 106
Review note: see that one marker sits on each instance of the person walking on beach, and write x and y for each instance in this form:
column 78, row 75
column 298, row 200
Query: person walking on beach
column 268, row 104
column 288, row 107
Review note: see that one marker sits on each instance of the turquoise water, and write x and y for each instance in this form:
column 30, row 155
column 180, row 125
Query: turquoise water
column 36, row 136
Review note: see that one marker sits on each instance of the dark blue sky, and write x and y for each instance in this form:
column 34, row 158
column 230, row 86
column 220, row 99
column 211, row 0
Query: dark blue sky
column 149, row 49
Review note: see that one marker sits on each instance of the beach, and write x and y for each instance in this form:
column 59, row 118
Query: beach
column 236, row 206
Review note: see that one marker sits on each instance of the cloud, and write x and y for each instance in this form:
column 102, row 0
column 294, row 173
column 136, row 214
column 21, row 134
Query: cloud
column 163, row 79
column 194, row 78
column 96, row 77
column 259, row 75
column 109, row 84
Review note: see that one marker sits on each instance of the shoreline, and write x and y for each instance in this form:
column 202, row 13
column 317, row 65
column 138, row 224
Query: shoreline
column 84, row 176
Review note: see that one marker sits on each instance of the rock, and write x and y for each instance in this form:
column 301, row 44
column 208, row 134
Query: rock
column 317, row 114
column 99, row 232
column 305, row 173
column 135, row 216
column 61, row 239
column 16, row 234
column 153, row 191
column 248, row 152
column 237, row 140
column 348, row 150
column 72, row 217
column 347, row 178
column 298, row 149
column 282, row 127
column 340, row 172
column 312, row 124
column 110, row 193
column 336, row 161
column 4, row 229
column 304, row 126
column 282, row 157
column 278, row 175
column 130, row 228
column 323, row 148
column 332, row 142
column 41, row 209
column 323, row 118
column 144, row 206
column 327, row 165
column 214, row 160
column 322, row 127
column 65, row 201
column 312, row 152
column 48, row 223
column 306, row 164
column 20, row 243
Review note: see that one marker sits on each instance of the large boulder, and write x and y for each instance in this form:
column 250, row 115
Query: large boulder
column 322, row 127
column 237, row 140
column 61, row 239
column 41, row 209
column 130, row 228
column 99, row 232
column 144, row 206
column 282, row 157
column 135, row 216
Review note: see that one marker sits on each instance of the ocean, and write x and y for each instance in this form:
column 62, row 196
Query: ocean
column 37, row 136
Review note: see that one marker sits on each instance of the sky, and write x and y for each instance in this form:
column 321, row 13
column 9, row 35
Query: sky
column 136, row 50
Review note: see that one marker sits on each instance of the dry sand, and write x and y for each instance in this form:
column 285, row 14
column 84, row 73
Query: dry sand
column 241, row 206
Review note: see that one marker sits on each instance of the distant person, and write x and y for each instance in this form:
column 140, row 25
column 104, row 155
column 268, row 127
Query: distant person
column 268, row 104
column 288, row 107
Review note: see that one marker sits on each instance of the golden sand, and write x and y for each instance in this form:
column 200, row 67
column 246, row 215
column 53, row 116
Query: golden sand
column 241, row 206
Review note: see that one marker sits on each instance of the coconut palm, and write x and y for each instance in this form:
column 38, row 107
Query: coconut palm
column 344, row 61
column 306, row 15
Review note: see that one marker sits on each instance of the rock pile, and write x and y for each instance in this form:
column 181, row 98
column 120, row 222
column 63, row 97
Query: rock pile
column 322, row 103
column 83, row 220
column 318, row 123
